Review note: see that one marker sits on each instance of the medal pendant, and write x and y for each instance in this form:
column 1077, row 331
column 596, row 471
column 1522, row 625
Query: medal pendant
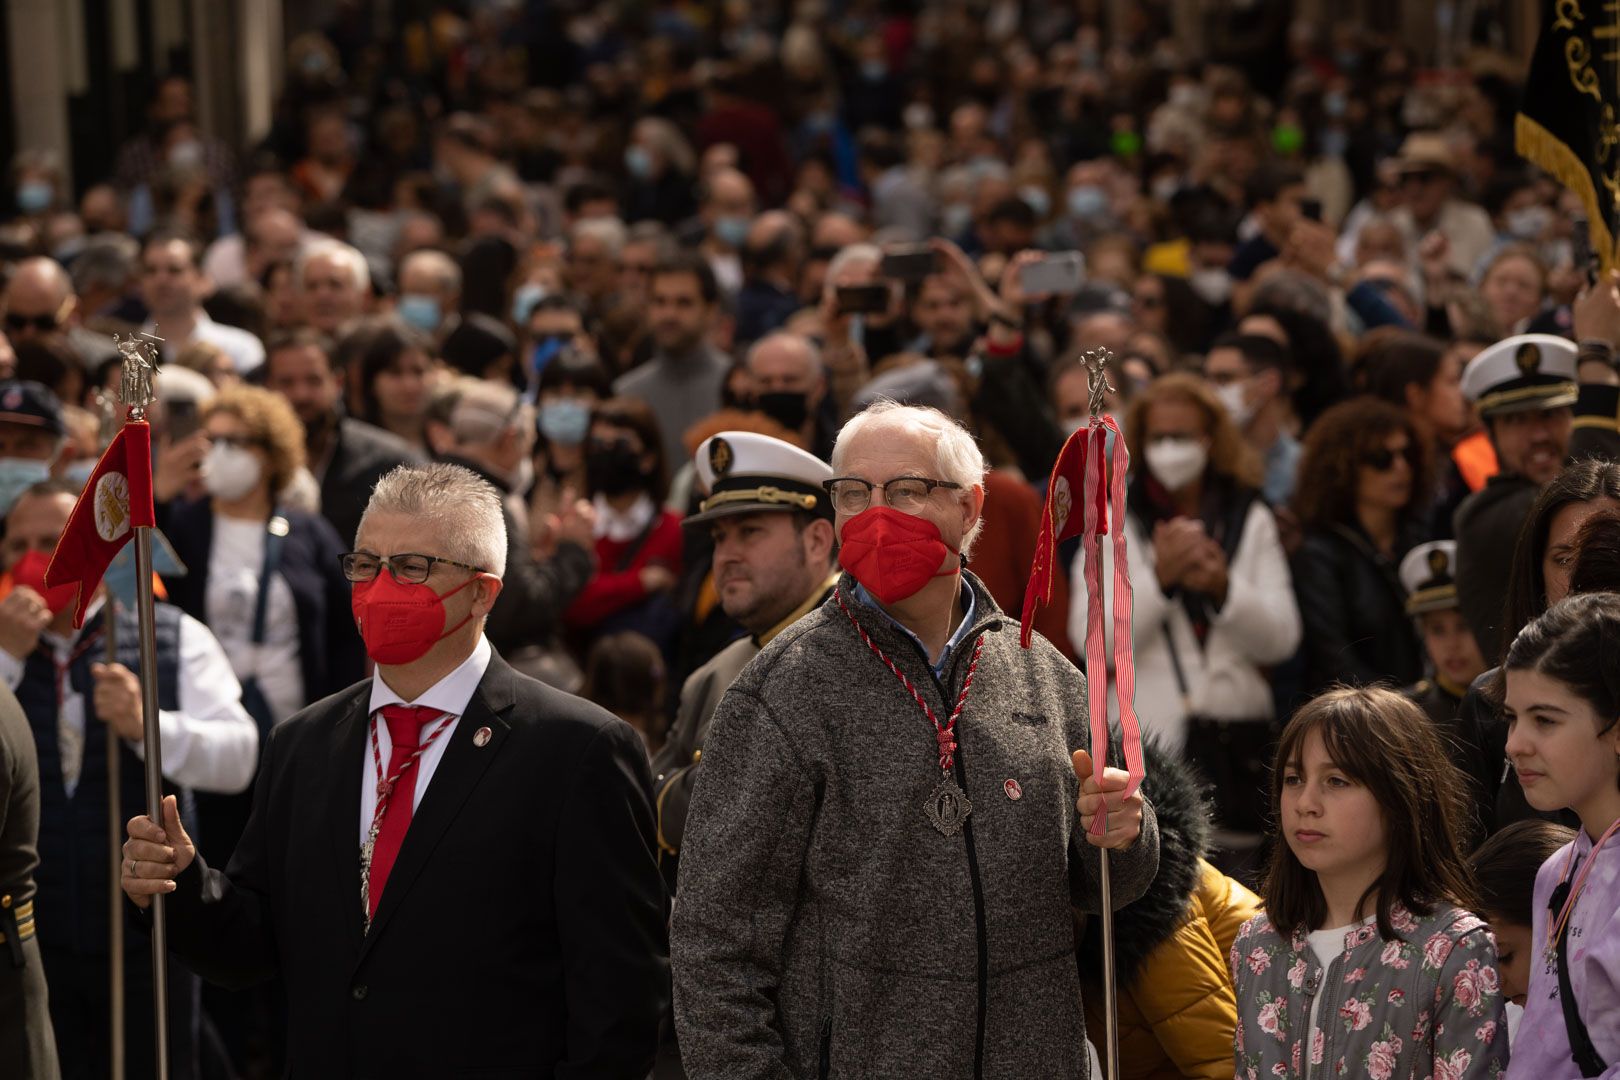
column 947, row 806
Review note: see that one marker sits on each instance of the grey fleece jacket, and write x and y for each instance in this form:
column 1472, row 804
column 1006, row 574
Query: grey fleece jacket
column 824, row 928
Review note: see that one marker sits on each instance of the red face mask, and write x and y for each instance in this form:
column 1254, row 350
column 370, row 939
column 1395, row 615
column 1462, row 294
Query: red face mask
column 30, row 571
column 400, row 623
column 893, row 554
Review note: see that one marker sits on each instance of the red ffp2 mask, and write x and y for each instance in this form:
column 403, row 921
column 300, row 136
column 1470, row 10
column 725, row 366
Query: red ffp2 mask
column 30, row 571
column 400, row 623
column 893, row 554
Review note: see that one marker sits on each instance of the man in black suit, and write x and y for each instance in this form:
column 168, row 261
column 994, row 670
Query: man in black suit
column 494, row 906
column 347, row 456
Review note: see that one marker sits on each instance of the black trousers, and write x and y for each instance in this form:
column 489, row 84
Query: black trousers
column 81, row 1007
column 27, row 1047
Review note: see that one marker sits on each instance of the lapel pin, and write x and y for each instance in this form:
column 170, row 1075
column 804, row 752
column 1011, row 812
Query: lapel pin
column 1014, row 792
column 482, row 736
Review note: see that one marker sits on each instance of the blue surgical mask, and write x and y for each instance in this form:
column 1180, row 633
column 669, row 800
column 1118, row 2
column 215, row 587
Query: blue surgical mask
column 35, row 196
column 732, row 230
column 17, row 475
column 421, row 311
column 565, row 422
column 1334, row 142
column 1334, row 103
column 1038, row 200
column 874, row 70
column 524, row 298
column 78, row 473
column 1087, row 201
column 955, row 219
column 638, row 162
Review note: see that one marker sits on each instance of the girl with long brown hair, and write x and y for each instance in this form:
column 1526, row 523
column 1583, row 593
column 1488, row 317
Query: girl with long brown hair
column 1366, row 961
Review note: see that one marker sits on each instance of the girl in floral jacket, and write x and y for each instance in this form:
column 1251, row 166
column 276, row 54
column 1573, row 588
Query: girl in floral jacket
column 1364, row 964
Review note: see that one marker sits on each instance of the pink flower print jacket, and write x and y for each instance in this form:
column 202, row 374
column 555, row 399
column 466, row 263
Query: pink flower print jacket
column 1427, row 1006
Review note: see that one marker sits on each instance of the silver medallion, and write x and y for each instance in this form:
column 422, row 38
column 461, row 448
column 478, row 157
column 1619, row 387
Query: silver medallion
column 947, row 806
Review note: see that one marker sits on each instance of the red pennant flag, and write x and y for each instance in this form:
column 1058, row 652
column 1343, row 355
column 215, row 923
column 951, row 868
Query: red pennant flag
column 1060, row 519
column 116, row 501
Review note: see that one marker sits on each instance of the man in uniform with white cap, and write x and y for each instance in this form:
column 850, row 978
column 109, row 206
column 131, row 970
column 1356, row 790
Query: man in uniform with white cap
column 1454, row 657
column 1525, row 390
column 772, row 526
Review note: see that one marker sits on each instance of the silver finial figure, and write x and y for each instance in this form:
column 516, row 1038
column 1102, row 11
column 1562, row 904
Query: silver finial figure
column 140, row 355
column 1097, row 385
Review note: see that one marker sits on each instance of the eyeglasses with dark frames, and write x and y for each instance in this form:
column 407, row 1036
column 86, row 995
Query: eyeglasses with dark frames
column 407, row 569
column 851, row 494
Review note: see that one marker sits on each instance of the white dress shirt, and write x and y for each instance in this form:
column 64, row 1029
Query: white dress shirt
column 245, row 350
column 209, row 744
column 449, row 695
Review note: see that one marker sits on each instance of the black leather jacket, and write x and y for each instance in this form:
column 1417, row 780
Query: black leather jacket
column 1354, row 610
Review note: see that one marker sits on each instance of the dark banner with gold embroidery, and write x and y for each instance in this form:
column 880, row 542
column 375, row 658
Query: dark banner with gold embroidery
column 1567, row 123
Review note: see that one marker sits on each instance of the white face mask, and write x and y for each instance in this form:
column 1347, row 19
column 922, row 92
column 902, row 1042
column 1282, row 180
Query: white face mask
column 1235, row 400
column 1212, row 285
column 230, row 472
column 1175, row 463
column 523, row 476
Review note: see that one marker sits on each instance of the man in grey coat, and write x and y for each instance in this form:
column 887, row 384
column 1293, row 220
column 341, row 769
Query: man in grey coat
column 889, row 832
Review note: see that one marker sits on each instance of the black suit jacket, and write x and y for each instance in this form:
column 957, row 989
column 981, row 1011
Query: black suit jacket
column 362, row 455
column 522, row 931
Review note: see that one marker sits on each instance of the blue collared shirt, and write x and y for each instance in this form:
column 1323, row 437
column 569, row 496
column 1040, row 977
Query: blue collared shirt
column 950, row 646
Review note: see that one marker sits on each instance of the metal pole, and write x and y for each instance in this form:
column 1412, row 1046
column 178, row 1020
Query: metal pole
column 1110, row 990
column 115, row 837
column 154, row 789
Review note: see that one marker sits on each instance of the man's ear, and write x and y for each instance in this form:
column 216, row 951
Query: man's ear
column 819, row 541
column 489, row 587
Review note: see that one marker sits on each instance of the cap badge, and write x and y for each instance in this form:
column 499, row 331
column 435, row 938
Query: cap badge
column 12, row 399
column 1439, row 562
column 721, row 456
column 1528, row 357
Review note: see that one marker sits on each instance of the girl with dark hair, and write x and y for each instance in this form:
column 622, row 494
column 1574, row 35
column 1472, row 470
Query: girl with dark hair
column 1560, row 692
column 1361, row 501
column 1423, row 377
column 638, row 543
column 1505, row 869
column 398, row 368
column 1366, row 962
column 1544, row 562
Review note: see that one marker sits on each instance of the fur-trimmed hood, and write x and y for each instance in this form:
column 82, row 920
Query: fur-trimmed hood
column 1180, row 799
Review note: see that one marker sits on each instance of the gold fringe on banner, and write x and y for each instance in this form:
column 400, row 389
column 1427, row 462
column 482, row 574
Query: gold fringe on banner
column 1535, row 143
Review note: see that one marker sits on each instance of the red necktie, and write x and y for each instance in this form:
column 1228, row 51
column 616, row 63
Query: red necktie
column 405, row 724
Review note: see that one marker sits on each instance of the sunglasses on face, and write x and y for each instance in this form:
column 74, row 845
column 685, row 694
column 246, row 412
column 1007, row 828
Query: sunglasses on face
column 1382, row 460
column 19, row 323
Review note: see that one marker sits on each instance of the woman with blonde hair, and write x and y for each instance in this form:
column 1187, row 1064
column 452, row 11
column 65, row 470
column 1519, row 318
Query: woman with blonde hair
column 1213, row 601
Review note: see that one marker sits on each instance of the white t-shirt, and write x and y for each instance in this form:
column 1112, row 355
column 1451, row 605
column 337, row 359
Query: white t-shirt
column 233, row 591
column 1328, row 945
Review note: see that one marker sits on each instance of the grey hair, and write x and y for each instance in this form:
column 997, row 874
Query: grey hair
column 460, row 508
column 107, row 261
column 486, row 410
column 854, row 253
column 957, row 455
column 440, row 265
column 779, row 338
column 609, row 230
column 324, row 247
column 668, row 141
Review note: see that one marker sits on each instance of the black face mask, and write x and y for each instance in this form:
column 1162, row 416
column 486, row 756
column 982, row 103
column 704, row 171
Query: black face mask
column 786, row 407
column 613, row 470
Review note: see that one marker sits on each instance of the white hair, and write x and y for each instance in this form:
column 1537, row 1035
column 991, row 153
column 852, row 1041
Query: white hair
column 441, row 266
column 779, row 338
column 956, row 454
column 853, row 253
column 459, row 508
column 485, row 411
column 324, row 247
column 609, row 230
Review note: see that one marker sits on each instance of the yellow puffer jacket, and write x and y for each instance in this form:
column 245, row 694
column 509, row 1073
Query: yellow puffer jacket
column 1177, row 1016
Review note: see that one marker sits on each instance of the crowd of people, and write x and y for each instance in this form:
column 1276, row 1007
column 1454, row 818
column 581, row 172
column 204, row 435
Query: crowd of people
column 711, row 366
